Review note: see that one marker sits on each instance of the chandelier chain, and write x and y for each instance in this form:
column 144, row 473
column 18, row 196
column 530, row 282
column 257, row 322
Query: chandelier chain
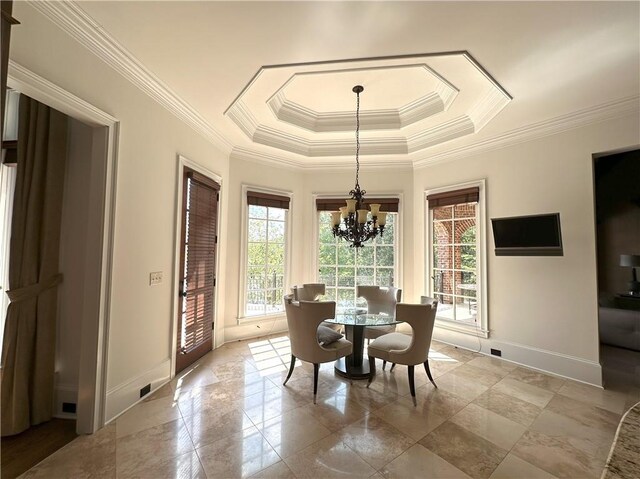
column 357, row 139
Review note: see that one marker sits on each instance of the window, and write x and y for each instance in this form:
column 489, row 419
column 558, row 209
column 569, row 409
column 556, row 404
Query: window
column 341, row 267
column 266, row 253
column 455, row 263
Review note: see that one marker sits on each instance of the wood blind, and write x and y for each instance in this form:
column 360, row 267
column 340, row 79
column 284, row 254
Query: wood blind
column 448, row 198
column 266, row 199
column 199, row 256
column 333, row 204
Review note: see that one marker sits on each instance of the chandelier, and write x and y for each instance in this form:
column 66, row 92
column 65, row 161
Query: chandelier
column 353, row 223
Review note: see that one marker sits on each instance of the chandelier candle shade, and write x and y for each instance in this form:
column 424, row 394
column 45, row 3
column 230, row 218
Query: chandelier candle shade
column 352, row 223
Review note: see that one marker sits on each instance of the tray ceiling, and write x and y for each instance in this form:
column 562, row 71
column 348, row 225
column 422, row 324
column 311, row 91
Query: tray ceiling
column 409, row 103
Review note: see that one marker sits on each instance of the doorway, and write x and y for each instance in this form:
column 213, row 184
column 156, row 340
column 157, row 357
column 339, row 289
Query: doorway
column 197, row 267
column 91, row 393
column 617, row 204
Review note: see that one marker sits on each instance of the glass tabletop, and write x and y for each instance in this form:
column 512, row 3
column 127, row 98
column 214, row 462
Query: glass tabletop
column 363, row 319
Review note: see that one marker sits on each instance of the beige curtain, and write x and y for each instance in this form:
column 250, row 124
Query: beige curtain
column 28, row 349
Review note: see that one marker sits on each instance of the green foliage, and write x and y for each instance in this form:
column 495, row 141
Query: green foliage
column 469, row 235
column 257, row 230
column 468, row 257
column 365, row 256
column 257, row 253
column 327, row 254
column 265, row 257
column 385, row 255
column 276, row 231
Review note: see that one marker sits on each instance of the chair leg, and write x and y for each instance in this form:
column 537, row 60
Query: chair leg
column 316, row 369
column 372, row 369
column 384, row 364
column 426, row 368
column 293, row 364
column 412, row 386
column 393, row 365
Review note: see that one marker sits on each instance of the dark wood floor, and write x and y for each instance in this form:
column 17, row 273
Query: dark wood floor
column 21, row 452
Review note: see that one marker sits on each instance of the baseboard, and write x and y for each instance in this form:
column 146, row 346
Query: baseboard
column 64, row 393
column 571, row 367
column 254, row 330
column 127, row 394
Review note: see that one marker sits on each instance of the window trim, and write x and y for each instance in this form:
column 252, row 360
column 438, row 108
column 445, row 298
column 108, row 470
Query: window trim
column 481, row 329
column 398, row 240
column 244, row 250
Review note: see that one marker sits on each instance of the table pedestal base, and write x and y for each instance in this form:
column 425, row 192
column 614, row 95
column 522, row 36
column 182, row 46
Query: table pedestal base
column 357, row 372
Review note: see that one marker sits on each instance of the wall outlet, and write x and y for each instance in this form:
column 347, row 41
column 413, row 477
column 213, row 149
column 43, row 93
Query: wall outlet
column 145, row 390
column 155, row 278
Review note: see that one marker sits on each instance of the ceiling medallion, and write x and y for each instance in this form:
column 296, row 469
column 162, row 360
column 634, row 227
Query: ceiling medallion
column 352, row 223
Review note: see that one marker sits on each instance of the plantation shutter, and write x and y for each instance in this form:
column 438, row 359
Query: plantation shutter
column 456, row 197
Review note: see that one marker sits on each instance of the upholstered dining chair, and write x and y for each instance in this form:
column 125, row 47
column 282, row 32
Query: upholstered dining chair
column 404, row 349
column 379, row 300
column 303, row 319
column 311, row 292
column 423, row 300
column 308, row 291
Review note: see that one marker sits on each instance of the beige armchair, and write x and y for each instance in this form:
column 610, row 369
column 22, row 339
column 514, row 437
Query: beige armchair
column 311, row 292
column 423, row 300
column 404, row 349
column 303, row 319
column 379, row 300
column 308, row 291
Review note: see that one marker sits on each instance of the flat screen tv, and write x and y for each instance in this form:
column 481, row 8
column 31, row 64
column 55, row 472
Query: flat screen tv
column 535, row 235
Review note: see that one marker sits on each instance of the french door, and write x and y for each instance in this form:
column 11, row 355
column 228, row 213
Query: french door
column 198, row 247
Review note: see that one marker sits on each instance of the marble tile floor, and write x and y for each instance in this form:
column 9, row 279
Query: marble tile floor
column 228, row 416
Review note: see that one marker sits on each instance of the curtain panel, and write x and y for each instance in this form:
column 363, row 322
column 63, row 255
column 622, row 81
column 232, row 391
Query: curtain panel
column 29, row 343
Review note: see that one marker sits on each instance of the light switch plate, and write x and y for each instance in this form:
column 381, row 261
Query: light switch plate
column 155, row 278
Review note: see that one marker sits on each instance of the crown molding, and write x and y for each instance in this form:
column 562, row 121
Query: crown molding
column 239, row 153
column 455, row 128
column 69, row 17
column 343, row 147
column 595, row 114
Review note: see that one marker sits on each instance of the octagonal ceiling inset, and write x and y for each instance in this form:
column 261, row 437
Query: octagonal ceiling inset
column 409, row 103
column 327, row 111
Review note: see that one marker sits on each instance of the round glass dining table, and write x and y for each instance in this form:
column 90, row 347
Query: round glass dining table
column 354, row 322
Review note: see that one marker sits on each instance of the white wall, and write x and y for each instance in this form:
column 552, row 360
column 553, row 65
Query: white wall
column 150, row 138
column 541, row 310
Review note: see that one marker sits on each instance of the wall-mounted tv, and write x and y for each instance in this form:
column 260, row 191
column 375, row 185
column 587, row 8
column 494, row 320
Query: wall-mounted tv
column 535, row 235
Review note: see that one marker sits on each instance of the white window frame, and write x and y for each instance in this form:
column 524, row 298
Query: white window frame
column 481, row 327
column 244, row 250
column 397, row 241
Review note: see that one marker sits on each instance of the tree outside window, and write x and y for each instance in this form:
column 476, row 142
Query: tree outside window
column 266, row 252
